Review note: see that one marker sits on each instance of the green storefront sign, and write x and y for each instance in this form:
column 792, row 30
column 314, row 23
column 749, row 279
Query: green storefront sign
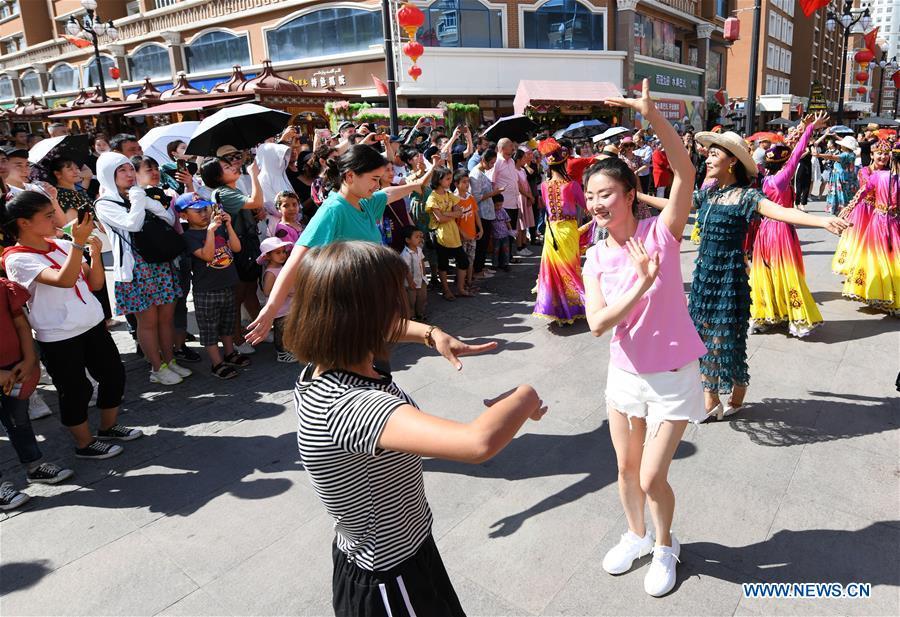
column 664, row 79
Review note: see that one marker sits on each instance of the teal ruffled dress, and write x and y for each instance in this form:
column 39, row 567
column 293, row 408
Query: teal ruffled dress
column 720, row 290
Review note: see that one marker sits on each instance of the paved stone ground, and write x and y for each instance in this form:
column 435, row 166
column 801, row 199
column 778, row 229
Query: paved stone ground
column 211, row 513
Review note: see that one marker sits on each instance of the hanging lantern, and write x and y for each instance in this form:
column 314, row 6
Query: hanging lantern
column 114, row 72
column 411, row 18
column 732, row 29
column 414, row 50
column 864, row 57
column 861, row 90
column 896, row 79
column 415, row 72
column 862, row 77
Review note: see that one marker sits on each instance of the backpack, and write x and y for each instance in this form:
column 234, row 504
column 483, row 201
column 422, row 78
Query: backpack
column 157, row 241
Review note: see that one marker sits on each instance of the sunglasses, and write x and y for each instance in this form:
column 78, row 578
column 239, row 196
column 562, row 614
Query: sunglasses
column 231, row 158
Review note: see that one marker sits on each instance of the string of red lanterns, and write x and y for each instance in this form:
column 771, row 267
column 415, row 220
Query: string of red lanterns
column 411, row 18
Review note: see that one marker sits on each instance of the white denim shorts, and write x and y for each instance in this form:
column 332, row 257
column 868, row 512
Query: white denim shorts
column 656, row 397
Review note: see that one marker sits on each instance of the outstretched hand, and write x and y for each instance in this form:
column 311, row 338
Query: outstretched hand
column 452, row 348
column 836, row 225
column 643, row 105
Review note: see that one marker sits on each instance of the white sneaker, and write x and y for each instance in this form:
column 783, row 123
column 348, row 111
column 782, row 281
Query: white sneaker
column 524, row 253
column 631, row 547
column 245, row 348
column 660, row 578
column 178, row 369
column 165, row 376
column 37, row 408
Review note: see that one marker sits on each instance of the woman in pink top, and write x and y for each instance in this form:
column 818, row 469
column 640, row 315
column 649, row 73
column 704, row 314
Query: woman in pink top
column 633, row 285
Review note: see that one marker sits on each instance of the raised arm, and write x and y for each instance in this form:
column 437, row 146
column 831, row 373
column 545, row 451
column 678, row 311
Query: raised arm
column 770, row 209
column 784, row 176
column 675, row 213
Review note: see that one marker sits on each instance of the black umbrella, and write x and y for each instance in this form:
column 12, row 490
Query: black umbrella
column 516, row 127
column 242, row 126
column 76, row 148
column 879, row 120
column 781, row 122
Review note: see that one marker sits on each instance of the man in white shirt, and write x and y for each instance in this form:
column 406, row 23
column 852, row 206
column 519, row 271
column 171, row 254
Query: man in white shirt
column 759, row 155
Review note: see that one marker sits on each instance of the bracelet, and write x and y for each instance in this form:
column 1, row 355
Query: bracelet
column 80, row 247
column 429, row 337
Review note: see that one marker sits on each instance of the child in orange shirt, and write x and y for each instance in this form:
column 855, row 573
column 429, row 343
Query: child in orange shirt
column 469, row 222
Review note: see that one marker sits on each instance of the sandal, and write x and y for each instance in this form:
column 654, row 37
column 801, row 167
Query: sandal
column 223, row 371
column 236, row 359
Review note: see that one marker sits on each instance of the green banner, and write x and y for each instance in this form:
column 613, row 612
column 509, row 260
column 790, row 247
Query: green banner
column 664, row 79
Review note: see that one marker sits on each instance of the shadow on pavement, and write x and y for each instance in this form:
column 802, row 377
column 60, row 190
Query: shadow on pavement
column 589, row 454
column 22, row 575
column 781, row 422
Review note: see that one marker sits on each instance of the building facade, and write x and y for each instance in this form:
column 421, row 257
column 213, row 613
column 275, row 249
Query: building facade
column 476, row 51
column 886, row 16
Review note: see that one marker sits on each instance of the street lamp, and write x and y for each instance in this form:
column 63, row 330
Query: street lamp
column 849, row 18
column 92, row 28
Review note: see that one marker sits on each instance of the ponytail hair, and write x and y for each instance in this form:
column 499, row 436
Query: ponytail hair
column 24, row 205
column 360, row 159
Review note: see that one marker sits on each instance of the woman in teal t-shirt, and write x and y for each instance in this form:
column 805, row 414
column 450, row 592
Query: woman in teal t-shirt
column 351, row 211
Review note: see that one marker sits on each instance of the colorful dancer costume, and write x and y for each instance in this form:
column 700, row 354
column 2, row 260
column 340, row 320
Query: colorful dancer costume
column 560, row 288
column 873, row 275
column 843, row 184
column 778, row 290
column 858, row 213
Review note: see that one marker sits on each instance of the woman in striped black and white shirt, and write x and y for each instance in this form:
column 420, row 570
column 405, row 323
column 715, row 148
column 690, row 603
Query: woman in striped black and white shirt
column 361, row 436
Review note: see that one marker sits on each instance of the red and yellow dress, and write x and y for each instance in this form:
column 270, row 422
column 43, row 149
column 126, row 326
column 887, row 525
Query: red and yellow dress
column 873, row 274
column 858, row 214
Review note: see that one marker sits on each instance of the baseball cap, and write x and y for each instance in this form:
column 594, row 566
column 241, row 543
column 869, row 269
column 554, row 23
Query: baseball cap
column 225, row 151
column 346, row 125
column 191, row 200
column 11, row 151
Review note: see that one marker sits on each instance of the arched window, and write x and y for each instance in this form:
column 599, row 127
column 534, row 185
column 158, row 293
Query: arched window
column 6, row 89
column 325, row 32
column 564, row 24
column 31, row 84
column 91, row 79
column 217, row 50
column 149, row 61
column 63, row 78
column 462, row 23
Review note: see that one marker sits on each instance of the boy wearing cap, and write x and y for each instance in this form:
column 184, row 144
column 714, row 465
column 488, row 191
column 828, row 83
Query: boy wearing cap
column 212, row 242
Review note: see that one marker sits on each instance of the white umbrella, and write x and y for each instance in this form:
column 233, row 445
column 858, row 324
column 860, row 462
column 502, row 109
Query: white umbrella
column 615, row 131
column 155, row 141
column 74, row 147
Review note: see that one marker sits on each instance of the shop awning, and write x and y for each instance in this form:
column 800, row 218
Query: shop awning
column 533, row 92
column 179, row 106
column 85, row 112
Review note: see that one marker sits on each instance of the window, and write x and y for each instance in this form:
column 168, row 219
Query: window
column 462, row 23
column 149, row 61
column 325, row 32
column 217, row 50
column 63, row 78
column 722, row 9
column 9, row 9
column 6, row 90
column 31, row 84
column 565, row 24
column 714, row 71
column 91, row 78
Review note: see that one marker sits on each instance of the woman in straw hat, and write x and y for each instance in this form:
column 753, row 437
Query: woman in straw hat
column 842, row 185
column 777, row 279
column 720, row 290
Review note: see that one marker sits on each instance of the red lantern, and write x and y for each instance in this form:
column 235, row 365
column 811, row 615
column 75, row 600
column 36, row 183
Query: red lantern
column 411, row 18
column 896, row 79
column 862, row 77
column 732, row 29
column 415, row 72
column 114, row 72
column 864, row 56
column 414, row 50
column 861, row 90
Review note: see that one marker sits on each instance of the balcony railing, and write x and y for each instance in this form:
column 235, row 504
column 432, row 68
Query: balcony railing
column 691, row 7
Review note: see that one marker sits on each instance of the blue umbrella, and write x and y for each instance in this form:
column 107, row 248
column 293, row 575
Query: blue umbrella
column 584, row 128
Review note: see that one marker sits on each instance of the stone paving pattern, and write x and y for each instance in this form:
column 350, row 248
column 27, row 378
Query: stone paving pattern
column 211, row 513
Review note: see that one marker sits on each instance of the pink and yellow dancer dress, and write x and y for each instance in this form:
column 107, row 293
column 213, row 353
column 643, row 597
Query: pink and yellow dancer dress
column 858, row 214
column 778, row 290
column 560, row 288
column 873, row 276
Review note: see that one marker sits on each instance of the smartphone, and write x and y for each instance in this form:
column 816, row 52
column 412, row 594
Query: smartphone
column 82, row 212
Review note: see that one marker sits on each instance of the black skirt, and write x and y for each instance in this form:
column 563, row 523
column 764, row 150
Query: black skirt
column 418, row 587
